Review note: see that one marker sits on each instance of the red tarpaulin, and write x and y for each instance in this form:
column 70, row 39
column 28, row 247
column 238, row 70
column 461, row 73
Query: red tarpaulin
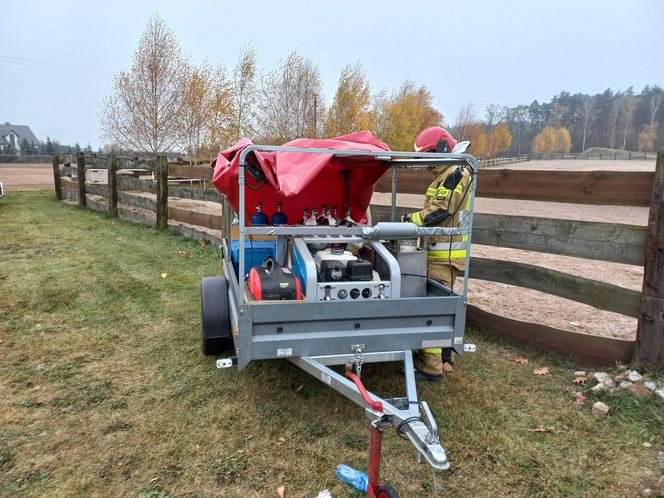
column 303, row 179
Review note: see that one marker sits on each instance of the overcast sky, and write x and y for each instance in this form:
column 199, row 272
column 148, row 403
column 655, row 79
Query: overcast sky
column 57, row 59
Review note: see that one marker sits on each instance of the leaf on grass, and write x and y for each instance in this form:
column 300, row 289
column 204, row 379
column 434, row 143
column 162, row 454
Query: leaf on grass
column 541, row 371
column 541, row 428
column 580, row 379
column 580, row 398
column 201, row 243
column 281, row 440
column 521, row 361
column 281, row 491
column 448, row 368
column 184, row 254
column 164, row 275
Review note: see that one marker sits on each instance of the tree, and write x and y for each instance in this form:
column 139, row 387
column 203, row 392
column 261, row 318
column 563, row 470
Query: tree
column 552, row 140
column 494, row 113
column 146, row 108
column 221, row 127
column 26, row 148
column 196, row 110
column 563, row 140
column 349, row 111
column 401, row 115
column 648, row 137
column 478, row 140
column 586, row 113
column 291, row 100
column 629, row 106
column 655, row 102
column 244, row 92
column 500, row 140
column 465, row 118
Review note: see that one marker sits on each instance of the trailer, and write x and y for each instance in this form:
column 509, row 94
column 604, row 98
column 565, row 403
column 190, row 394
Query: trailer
column 345, row 324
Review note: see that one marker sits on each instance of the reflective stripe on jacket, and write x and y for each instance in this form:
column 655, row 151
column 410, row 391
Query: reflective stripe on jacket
column 451, row 249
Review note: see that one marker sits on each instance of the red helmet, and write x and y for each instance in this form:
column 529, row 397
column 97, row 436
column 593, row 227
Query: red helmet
column 434, row 139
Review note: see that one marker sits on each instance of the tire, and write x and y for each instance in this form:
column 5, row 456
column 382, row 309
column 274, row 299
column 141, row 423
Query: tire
column 215, row 316
column 386, row 491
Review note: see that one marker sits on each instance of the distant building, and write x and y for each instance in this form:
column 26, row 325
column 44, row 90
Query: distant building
column 13, row 135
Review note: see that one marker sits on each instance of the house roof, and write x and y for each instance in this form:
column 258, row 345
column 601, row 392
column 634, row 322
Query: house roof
column 21, row 131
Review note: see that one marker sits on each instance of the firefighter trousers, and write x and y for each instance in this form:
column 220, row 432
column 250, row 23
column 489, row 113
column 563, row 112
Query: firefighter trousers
column 430, row 360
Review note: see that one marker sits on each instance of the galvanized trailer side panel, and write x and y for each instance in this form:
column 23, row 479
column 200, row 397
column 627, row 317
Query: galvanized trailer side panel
column 268, row 330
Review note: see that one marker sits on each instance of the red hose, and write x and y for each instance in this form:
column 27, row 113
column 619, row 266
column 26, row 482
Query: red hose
column 375, row 405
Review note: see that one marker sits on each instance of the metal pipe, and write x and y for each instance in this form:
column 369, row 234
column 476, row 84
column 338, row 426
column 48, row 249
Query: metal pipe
column 393, row 215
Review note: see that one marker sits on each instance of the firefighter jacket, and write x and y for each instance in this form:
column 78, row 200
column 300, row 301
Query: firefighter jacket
column 443, row 207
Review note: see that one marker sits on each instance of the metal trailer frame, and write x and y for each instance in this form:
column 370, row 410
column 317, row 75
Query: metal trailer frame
column 317, row 335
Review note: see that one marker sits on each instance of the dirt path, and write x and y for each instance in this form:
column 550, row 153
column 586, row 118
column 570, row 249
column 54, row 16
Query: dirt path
column 16, row 176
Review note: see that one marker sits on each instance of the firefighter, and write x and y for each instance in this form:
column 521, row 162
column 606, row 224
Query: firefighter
column 446, row 197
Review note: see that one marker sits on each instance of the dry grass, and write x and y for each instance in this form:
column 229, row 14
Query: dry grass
column 104, row 392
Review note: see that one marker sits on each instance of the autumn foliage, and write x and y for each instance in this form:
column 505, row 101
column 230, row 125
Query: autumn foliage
column 552, row 139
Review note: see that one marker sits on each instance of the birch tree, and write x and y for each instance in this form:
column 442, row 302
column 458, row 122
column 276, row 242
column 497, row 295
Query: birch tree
column 586, row 114
column 221, row 126
column 349, row 111
column 196, row 110
column 144, row 112
column 244, row 92
column 291, row 100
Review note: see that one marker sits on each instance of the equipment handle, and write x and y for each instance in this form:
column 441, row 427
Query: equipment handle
column 375, row 405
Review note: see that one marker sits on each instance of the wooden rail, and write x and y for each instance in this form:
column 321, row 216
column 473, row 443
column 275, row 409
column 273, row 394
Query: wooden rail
column 582, row 187
column 615, row 155
column 496, row 161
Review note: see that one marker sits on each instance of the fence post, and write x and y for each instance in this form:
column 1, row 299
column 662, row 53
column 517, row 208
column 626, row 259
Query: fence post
column 80, row 172
column 113, row 187
column 56, row 177
column 649, row 348
column 162, row 192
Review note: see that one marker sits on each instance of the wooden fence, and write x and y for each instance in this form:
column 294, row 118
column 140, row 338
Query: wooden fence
column 621, row 243
column 618, row 155
column 501, row 161
column 139, row 191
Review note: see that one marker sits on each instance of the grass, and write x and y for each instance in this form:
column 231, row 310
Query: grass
column 104, row 392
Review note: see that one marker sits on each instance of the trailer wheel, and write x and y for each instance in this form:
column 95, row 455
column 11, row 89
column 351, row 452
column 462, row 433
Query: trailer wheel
column 386, row 491
column 215, row 316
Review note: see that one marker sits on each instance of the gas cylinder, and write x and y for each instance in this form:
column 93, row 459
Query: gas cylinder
column 259, row 218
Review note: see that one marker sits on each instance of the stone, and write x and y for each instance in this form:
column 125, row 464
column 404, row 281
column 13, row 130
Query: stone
column 625, row 384
column 638, row 391
column 599, row 387
column 600, row 409
column 620, row 378
column 601, row 376
column 580, row 373
column 634, row 376
column 660, row 394
column 647, row 445
column 610, row 383
column 646, row 492
column 650, row 385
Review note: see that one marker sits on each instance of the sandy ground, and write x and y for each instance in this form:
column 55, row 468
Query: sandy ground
column 514, row 302
column 26, row 176
column 584, row 165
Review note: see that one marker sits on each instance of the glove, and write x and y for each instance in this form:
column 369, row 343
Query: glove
column 405, row 218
